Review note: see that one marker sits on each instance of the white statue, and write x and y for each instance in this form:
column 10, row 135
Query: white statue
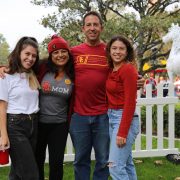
column 173, row 62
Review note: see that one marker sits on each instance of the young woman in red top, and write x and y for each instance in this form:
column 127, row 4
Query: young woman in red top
column 121, row 89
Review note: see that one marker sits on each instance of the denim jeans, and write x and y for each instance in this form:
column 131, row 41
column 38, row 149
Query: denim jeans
column 22, row 135
column 87, row 132
column 122, row 166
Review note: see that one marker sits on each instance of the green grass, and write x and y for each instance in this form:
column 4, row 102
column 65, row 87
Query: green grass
column 154, row 143
column 147, row 170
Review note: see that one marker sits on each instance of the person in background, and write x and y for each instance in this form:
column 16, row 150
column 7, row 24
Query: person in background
column 89, row 125
column 121, row 90
column 151, row 80
column 19, row 104
column 165, row 81
column 177, row 86
column 56, row 76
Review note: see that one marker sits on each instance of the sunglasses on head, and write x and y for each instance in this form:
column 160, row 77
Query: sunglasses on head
column 28, row 37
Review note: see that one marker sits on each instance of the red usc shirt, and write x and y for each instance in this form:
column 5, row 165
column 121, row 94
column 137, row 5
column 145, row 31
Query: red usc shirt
column 91, row 71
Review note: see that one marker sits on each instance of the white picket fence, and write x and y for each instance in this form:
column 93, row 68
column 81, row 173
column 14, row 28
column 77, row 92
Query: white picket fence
column 149, row 101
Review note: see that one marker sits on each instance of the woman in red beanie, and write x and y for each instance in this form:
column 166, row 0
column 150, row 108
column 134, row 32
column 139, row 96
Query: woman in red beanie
column 56, row 77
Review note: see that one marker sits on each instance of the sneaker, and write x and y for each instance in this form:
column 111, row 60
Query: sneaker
column 174, row 158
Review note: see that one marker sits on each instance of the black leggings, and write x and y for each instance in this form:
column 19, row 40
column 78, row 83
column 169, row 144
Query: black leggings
column 54, row 136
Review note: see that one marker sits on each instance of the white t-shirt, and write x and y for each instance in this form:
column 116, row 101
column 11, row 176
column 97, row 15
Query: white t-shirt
column 15, row 90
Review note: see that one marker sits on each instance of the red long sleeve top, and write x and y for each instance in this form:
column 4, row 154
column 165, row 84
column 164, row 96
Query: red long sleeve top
column 121, row 90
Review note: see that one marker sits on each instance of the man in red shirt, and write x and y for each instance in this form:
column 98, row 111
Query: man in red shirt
column 89, row 125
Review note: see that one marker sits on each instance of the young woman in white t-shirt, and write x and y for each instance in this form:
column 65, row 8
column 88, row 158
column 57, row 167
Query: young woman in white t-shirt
column 19, row 103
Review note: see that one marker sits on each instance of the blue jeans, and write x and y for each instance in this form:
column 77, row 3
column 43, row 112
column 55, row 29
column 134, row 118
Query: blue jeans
column 122, row 166
column 87, row 132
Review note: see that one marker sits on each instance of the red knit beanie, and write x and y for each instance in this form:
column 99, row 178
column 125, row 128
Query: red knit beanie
column 57, row 43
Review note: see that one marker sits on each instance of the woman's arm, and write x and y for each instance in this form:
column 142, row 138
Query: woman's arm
column 3, row 70
column 4, row 141
column 129, row 78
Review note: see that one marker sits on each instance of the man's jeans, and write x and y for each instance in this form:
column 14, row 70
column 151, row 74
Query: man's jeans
column 22, row 134
column 122, row 166
column 87, row 132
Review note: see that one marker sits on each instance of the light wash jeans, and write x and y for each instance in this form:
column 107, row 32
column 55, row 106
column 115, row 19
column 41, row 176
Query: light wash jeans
column 122, row 167
column 87, row 132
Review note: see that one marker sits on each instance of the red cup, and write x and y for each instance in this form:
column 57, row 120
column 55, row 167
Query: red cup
column 4, row 157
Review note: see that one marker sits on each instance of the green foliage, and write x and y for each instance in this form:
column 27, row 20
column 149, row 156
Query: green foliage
column 120, row 26
column 43, row 53
column 165, row 117
column 177, row 119
column 146, row 32
column 4, row 50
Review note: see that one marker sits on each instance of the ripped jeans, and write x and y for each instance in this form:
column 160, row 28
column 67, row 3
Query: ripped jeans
column 121, row 162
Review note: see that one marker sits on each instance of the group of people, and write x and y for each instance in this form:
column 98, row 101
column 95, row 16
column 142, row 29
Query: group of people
column 151, row 80
column 88, row 90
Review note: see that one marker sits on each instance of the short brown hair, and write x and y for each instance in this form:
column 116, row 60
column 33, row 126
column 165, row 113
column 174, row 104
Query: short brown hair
column 94, row 13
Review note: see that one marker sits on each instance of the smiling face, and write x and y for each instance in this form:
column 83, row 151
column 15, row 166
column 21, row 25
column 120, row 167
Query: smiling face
column 118, row 52
column 60, row 57
column 92, row 29
column 28, row 56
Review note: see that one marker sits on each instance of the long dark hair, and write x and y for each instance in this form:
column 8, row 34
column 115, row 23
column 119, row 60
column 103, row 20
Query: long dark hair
column 69, row 67
column 14, row 57
column 131, row 55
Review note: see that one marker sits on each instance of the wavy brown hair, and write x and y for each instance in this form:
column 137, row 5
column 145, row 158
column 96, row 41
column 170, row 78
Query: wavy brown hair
column 131, row 55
